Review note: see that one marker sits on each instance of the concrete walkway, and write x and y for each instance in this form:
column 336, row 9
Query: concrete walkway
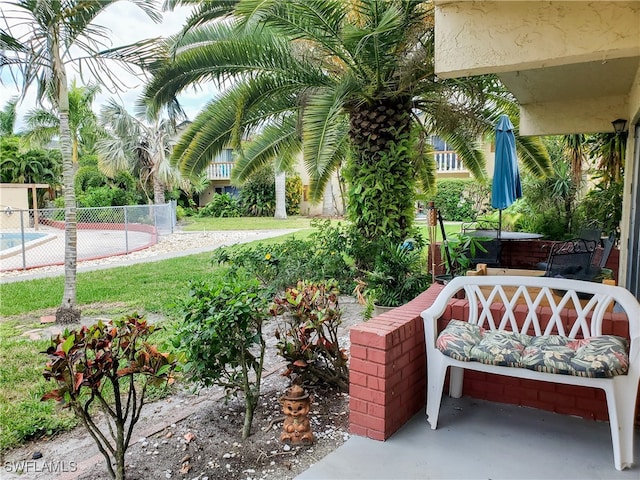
column 477, row 439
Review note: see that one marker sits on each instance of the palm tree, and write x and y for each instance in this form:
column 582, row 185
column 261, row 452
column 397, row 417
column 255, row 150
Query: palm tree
column 8, row 117
column 339, row 80
column 44, row 125
column 132, row 143
column 57, row 34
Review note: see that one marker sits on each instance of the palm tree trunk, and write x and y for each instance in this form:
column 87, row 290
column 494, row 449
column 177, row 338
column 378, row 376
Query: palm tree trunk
column 380, row 172
column 67, row 313
column 281, row 199
column 158, row 190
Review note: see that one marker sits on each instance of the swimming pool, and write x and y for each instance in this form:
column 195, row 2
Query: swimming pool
column 12, row 240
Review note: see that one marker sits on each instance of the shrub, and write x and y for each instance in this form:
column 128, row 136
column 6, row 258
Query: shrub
column 309, row 341
column 398, row 275
column 461, row 200
column 293, row 193
column 603, row 206
column 99, row 365
column 88, row 176
column 258, row 194
column 282, row 265
column 221, row 205
column 221, row 334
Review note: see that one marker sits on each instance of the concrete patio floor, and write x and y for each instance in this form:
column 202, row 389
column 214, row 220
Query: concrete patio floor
column 477, row 439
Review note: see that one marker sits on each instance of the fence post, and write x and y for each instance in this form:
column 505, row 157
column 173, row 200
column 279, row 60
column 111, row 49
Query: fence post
column 126, row 230
column 22, row 244
column 174, row 214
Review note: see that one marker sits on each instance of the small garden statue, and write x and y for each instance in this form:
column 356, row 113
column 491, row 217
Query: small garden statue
column 295, row 405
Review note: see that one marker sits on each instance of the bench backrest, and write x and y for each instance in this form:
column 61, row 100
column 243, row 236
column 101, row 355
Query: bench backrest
column 501, row 302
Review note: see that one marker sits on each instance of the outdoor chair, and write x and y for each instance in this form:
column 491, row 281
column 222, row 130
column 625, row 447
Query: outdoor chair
column 602, row 254
column 590, row 234
column 479, row 225
column 571, row 259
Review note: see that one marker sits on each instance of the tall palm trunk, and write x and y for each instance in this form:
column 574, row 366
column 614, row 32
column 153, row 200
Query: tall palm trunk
column 281, row 199
column 67, row 313
column 158, row 190
column 380, row 173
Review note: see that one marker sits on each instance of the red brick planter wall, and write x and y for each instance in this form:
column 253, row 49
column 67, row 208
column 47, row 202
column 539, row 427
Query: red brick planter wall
column 388, row 369
column 388, row 373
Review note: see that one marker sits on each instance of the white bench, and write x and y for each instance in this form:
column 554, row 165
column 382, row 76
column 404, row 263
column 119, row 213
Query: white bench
column 494, row 340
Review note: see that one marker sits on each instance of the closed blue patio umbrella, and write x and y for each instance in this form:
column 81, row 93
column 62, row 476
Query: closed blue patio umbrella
column 506, row 186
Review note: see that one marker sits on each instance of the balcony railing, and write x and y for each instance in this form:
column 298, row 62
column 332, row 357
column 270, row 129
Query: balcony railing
column 448, row 161
column 219, row 170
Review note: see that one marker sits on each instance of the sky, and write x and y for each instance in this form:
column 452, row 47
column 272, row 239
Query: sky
column 127, row 24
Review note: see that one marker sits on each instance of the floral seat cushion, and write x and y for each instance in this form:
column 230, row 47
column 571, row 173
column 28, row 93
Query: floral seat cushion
column 502, row 348
column 549, row 353
column 458, row 338
column 603, row 356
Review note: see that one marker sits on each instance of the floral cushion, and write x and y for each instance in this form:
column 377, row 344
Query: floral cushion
column 500, row 348
column 605, row 356
column 549, row 353
column 457, row 339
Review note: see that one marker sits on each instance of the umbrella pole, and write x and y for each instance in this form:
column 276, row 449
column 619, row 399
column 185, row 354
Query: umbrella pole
column 499, row 223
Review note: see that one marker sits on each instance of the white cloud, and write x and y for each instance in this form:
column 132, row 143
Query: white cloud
column 126, row 24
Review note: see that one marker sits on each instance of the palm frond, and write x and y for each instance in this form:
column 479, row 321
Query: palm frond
column 324, row 127
column 533, row 155
column 230, row 54
column 276, row 142
column 322, row 177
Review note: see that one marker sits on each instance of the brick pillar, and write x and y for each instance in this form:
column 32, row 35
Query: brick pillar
column 388, row 369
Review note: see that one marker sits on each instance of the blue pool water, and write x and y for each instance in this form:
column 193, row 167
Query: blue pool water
column 10, row 240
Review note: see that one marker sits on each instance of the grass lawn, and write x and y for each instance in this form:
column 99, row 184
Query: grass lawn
column 199, row 224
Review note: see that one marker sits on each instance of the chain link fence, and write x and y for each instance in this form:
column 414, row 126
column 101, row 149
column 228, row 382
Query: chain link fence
column 36, row 238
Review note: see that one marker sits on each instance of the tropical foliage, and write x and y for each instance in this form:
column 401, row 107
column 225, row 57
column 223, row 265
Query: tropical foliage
column 308, row 338
column 349, row 82
column 8, row 117
column 99, row 365
column 44, row 125
column 221, row 334
column 55, row 36
column 140, row 144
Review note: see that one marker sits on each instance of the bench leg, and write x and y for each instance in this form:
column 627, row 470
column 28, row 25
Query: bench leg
column 455, row 382
column 436, row 371
column 621, row 405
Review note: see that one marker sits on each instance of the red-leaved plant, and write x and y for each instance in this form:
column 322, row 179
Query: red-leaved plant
column 309, row 341
column 99, row 365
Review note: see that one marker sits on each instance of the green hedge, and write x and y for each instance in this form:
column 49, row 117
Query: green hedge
column 461, row 200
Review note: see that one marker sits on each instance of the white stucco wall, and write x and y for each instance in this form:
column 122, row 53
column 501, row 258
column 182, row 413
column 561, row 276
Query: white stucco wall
column 475, row 37
column 12, row 197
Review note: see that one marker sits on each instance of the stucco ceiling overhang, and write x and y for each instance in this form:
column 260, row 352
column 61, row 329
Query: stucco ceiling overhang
column 574, row 81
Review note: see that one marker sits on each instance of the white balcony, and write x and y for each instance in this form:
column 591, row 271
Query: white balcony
column 219, row 170
column 447, row 161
